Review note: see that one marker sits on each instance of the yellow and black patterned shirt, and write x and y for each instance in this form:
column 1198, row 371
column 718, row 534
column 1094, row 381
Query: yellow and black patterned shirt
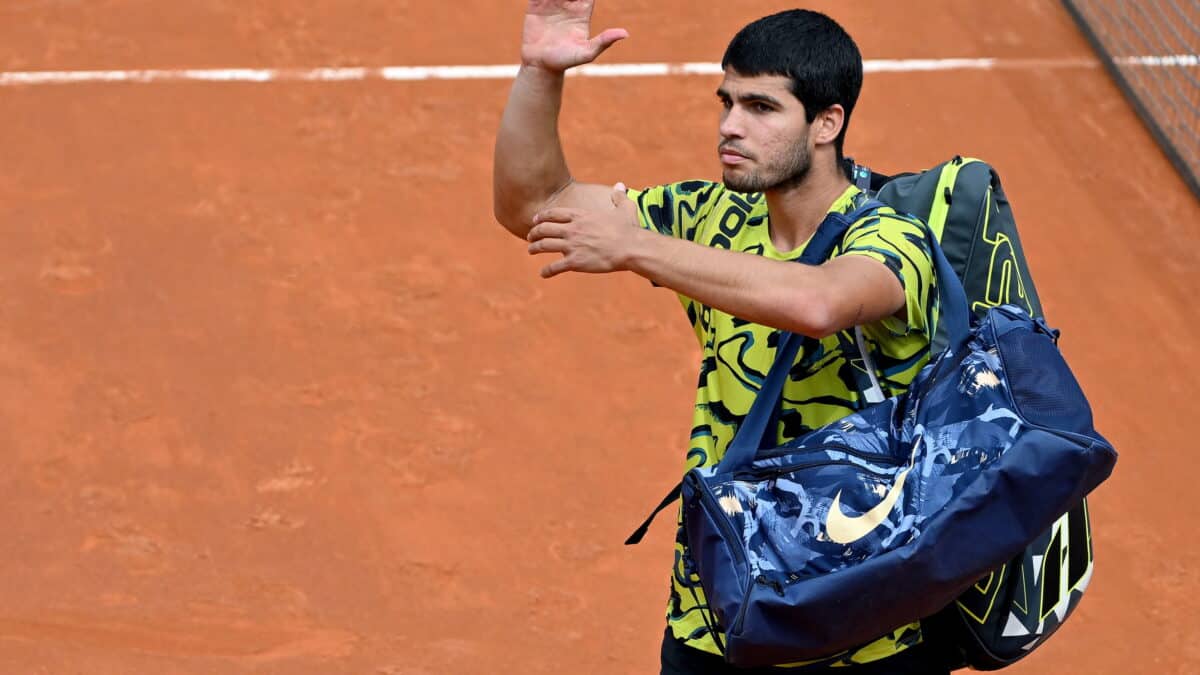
column 736, row 354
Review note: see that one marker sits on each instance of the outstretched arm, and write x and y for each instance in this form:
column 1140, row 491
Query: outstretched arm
column 529, row 169
column 810, row 300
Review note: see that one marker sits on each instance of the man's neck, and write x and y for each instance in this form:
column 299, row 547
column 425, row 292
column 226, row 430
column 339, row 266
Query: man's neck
column 797, row 211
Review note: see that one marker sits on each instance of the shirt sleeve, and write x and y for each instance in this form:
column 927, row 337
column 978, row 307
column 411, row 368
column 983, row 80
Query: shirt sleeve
column 678, row 209
column 899, row 242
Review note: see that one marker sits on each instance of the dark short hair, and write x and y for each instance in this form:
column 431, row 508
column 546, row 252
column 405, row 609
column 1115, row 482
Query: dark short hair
column 818, row 55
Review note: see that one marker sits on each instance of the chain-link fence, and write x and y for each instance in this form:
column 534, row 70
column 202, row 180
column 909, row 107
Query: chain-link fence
column 1152, row 48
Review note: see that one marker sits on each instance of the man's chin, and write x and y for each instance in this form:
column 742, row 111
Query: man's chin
column 740, row 183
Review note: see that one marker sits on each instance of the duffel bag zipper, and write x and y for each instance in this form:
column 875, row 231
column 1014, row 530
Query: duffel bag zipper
column 872, row 456
column 770, row 583
column 731, row 537
column 760, row 580
column 777, row 471
column 710, row 501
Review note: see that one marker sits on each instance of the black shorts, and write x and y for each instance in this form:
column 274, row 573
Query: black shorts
column 679, row 659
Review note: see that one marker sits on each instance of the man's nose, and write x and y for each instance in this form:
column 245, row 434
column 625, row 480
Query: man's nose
column 731, row 125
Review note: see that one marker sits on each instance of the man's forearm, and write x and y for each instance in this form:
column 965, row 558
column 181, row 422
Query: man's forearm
column 529, row 166
column 784, row 295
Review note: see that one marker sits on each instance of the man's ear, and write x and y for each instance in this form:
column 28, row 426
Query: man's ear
column 828, row 124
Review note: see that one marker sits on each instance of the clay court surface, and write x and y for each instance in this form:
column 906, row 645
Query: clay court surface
column 277, row 395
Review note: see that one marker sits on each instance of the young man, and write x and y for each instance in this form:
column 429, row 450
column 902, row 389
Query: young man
column 729, row 250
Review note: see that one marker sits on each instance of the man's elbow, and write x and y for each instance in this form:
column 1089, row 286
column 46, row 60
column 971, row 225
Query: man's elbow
column 514, row 219
column 811, row 315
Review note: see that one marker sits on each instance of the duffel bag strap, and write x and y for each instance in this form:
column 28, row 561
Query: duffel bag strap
column 639, row 533
column 953, row 312
column 874, row 393
column 760, row 421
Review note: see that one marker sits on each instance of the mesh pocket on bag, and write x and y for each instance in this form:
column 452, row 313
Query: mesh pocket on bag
column 1043, row 387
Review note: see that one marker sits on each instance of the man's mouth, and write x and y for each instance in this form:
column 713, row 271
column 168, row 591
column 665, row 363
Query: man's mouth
column 730, row 156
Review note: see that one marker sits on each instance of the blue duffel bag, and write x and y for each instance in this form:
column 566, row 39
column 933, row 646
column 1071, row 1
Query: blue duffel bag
column 886, row 516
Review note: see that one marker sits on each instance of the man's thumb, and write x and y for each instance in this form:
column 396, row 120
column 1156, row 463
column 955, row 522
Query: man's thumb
column 619, row 194
column 607, row 39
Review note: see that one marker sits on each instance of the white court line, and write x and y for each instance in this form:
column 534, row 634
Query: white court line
column 500, row 72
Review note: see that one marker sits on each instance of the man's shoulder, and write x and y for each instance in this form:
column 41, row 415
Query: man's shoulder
column 886, row 219
column 889, row 213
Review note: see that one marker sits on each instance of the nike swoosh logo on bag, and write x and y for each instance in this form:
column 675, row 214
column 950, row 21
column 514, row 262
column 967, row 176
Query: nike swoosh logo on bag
column 845, row 529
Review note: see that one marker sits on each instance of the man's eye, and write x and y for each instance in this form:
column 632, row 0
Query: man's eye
column 726, row 103
column 762, row 108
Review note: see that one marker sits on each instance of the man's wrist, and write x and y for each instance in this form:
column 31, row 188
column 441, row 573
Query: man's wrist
column 644, row 246
column 541, row 72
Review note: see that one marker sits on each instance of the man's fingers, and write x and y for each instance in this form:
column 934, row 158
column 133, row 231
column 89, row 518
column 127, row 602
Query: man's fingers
column 557, row 267
column 549, row 246
column 558, row 215
column 607, row 39
column 547, row 230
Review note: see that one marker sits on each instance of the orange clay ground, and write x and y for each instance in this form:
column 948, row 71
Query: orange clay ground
column 277, row 395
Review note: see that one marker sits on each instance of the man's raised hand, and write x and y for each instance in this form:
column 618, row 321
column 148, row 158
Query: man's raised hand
column 556, row 35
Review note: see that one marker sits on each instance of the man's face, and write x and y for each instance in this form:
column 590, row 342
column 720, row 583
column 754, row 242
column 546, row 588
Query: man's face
column 765, row 141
